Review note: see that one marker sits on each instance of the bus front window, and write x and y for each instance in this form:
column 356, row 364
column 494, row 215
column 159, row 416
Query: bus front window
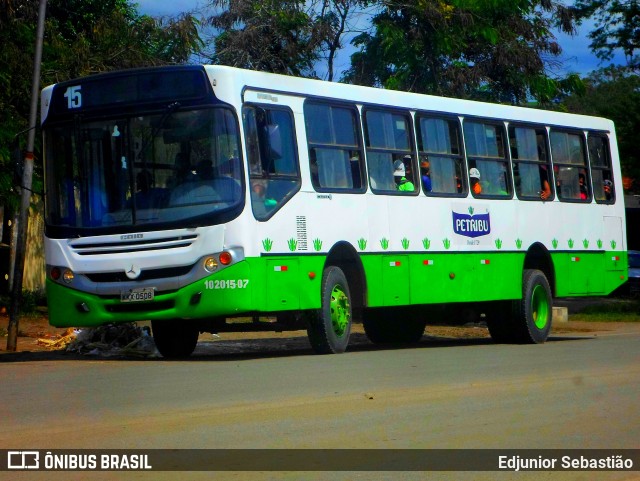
column 146, row 170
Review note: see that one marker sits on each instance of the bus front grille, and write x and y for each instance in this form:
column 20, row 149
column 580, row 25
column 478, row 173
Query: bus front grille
column 132, row 246
column 146, row 274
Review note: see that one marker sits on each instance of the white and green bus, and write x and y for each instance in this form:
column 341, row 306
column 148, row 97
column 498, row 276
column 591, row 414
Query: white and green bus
column 192, row 196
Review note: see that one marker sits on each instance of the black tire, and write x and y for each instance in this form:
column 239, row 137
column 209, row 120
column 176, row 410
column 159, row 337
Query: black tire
column 330, row 326
column 527, row 320
column 174, row 339
column 392, row 326
column 534, row 311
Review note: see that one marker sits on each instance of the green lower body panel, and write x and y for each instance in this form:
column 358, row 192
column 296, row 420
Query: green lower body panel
column 253, row 285
column 288, row 283
column 589, row 273
column 440, row 278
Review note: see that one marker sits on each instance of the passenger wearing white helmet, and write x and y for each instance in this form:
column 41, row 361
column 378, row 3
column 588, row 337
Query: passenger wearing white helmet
column 474, row 179
column 399, row 173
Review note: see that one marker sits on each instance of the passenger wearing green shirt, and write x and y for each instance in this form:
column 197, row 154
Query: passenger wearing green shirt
column 399, row 172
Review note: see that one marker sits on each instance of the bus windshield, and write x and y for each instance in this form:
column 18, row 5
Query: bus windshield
column 161, row 169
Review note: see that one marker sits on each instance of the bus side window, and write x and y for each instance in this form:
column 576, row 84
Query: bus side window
column 440, row 150
column 486, row 152
column 570, row 166
column 390, row 153
column 600, row 159
column 274, row 174
column 531, row 168
column 335, row 152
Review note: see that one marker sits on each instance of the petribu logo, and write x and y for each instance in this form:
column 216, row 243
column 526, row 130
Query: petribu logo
column 470, row 225
column 23, row 460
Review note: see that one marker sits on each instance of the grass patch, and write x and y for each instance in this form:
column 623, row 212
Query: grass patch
column 622, row 310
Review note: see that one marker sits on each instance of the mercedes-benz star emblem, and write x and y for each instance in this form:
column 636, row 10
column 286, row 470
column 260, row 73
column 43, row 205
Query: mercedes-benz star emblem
column 133, row 272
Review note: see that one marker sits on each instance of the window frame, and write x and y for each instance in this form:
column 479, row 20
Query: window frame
column 608, row 168
column 297, row 177
column 558, row 165
column 412, row 149
column 350, row 106
column 471, row 160
column 461, row 156
column 547, row 162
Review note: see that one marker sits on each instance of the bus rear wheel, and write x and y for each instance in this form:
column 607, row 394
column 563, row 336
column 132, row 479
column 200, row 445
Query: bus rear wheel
column 534, row 311
column 329, row 328
column 527, row 320
column 392, row 326
column 174, row 339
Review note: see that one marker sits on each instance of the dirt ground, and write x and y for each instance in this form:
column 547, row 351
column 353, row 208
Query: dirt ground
column 34, row 330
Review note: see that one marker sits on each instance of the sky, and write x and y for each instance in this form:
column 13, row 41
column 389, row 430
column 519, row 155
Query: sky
column 576, row 56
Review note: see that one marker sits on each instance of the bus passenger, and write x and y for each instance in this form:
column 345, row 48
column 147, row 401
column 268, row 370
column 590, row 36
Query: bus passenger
column 425, row 167
column 402, row 183
column 474, row 178
column 545, row 187
column 608, row 189
column 584, row 193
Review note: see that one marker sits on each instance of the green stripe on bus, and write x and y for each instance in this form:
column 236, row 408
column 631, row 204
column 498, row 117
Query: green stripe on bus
column 272, row 284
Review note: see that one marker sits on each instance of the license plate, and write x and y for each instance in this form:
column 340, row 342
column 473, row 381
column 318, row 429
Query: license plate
column 137, row 295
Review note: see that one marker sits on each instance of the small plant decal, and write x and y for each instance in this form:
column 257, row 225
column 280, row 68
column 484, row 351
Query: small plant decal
column 317, row 245
column 293, row 244
column 267, row 244
column 613, row 244
column 426, row 243
column 405, row 243
column 570, row 242
column 362, row 243
column 499, row 243
column 554, row 242
column 470, row 210
column 585, row 243
column 446, row 242
column 384, row 243
column 599, row 242
column 519, row 243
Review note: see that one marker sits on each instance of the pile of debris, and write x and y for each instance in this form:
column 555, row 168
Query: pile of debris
column 59, row 341
column 115, row 340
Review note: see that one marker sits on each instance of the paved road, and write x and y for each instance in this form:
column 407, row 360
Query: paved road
column 568, row 393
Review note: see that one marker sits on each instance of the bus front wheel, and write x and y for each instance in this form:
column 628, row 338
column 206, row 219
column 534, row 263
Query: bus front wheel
column 329, row 328
column 174, row 339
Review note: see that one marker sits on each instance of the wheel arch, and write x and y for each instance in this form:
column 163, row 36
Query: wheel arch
column 538, row 257
column 345, row 256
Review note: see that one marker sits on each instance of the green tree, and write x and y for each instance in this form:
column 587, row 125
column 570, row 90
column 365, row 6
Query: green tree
column 614, row 93
column 490, row 50
column 273, row 36
column 616, row 27
column 289, row 37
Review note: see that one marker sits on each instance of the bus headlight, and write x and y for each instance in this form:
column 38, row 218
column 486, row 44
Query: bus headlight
column 68, row 276
column 210, row 264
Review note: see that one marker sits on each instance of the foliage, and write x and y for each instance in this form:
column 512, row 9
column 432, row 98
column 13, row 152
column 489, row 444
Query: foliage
column 495, row 51
column 272, row 36
column 280, row 36
column 616, row 27
column 614, row 93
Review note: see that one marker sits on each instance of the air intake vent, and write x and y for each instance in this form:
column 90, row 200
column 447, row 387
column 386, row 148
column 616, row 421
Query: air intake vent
column 133, row 246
